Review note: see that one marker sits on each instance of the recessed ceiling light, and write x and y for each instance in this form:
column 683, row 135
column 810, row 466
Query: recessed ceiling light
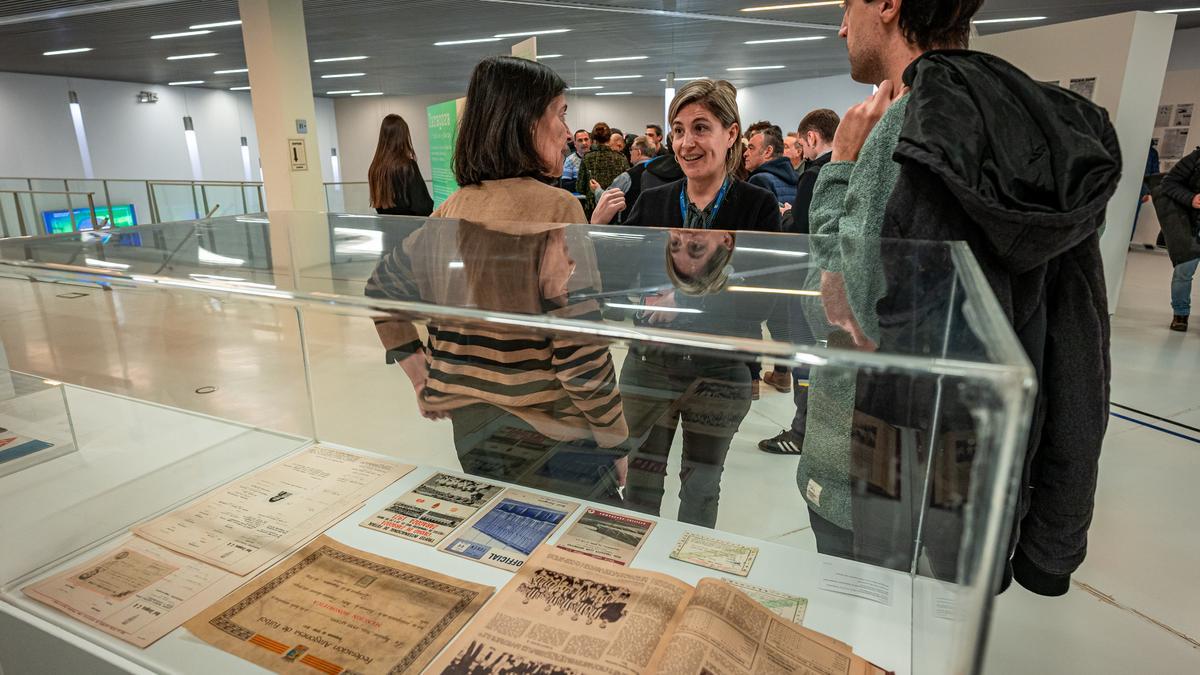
column 685, row 79
column 528, row 33
column 795, row 39
column 596, row 86
column 618, row 58
column 239, row 89
column 549, row 56
column 1015, row 19
column 181, row 57
column 369, row 93
column 755, row 68
column 794, row 5
column 613, row 93
column 1177, row 11
column 448, row 43
column 165, row 36
column 340, row 58
column 175, row 84
column 59, row 52
column 219, row 24
column 342, row 91
column 336, row 75
column 231, row 71
column 617, row 77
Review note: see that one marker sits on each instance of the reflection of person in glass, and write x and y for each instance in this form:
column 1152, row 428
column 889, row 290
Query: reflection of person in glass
column 537, row 408
column 669, row 388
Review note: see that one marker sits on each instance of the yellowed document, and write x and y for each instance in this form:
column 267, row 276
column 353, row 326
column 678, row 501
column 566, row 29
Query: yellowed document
column 605, row 535
column 568, row 613
column 431, row 511
column 716, row 554
column 138, row 591
column 334, row 609
column 245, row 524
column 790, row 607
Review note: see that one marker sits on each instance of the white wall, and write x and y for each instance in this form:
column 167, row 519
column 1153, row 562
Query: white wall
column 787, row 103
column 128, row 139
column 1127, row 53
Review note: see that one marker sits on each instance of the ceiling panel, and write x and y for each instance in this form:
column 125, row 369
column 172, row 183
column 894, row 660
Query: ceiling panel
column 688, row 37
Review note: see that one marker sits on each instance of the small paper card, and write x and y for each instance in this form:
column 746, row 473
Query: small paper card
column 716, row 554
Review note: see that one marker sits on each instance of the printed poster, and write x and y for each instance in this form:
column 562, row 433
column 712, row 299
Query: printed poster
column 504, row 534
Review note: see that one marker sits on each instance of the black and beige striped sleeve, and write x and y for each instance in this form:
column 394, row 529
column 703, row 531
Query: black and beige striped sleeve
column 393, row 279
column 584, row 367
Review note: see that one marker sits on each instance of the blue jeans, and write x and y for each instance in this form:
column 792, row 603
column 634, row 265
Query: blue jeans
column 1181, row 287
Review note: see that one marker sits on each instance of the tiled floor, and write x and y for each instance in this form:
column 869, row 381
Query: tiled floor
column 1144, row 543
column 1142, row 576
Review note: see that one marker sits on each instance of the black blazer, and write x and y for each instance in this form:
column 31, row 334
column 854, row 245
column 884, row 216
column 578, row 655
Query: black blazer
column 746, row 207
column 412, row 197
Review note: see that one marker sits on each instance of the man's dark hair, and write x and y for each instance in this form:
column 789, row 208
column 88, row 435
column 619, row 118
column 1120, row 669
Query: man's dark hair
column 823, row 121
column 760, row 126
column 581, row 131
column 930, row 24
column 657, row 129
column 772, row 138
column 506, row 98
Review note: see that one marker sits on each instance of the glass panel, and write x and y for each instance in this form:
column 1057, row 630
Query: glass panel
column 35, row 423
column 227, row 199
column 612, row 365
column 174, row 202
column 131, row 197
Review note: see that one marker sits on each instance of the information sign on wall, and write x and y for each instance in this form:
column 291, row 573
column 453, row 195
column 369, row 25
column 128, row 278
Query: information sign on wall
column 443, row 132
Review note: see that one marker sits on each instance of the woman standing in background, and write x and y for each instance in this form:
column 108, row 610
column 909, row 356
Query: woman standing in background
column 397, row 187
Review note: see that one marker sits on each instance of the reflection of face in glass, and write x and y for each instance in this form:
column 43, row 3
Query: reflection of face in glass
column 697, row 259
column 557, row 265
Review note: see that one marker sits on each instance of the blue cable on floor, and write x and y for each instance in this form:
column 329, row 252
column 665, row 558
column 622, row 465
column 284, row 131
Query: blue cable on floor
column 1155, row 427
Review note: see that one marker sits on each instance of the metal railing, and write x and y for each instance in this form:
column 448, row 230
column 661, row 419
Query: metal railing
column 18, row 211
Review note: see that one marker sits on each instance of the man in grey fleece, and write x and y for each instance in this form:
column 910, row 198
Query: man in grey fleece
column 849, row 201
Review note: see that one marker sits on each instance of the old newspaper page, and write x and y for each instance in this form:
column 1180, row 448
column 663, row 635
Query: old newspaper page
column 137, row 591
column 568, row 614
column 245, row 524
column 724, row 631
column 334, row 609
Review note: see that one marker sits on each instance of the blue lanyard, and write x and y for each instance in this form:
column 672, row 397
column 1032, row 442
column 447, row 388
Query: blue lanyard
column 716, row 202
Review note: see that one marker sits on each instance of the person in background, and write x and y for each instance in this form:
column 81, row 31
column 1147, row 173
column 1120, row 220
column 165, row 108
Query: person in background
column 794, row 153
column 396, row 185
column 602, row 164
column 815, row 138
column 506, row 390
column 625, row 188
column 654, row 132
column 1182, row 185
column 629, row 139
column 667, row 389
column 769, row 168
column 616, row 142
column 1152, row 168
column 570, row 170
column 664, row 169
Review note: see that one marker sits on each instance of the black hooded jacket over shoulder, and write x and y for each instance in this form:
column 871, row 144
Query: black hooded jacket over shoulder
column 1022, row 172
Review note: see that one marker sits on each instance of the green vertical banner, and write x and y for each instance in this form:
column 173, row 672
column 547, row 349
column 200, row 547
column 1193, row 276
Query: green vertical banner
column 443, row 132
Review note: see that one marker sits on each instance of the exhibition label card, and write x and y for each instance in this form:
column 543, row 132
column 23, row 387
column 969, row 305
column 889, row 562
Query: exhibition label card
column 506, row 532
column 434, row 509
column 248, row 523
column 790, row 607
column 137, row 592
column 858, row 580
column 716, row 554
column 334, row 609
column 611, row 537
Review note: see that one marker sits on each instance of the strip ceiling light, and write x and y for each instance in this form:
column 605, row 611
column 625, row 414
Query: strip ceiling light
column 239, row 89
column 529, row 33
column 618, row 58
column 613, row 93
column 59, row 52
column 176, row 84
column 794, row 5
column 231, row 71
column 549, row 56
column 166, row 36
column 219, row 24
column 755, row 68
column 336, row 75
column 1177, row 11
column 584, row 88
column 342, row 91
column 776, row 40
column 181, row 57
column 448, row 43
column 340, row 58
column 368, row 93
column 617, row 77
column 1015, row 19
column 685, row 79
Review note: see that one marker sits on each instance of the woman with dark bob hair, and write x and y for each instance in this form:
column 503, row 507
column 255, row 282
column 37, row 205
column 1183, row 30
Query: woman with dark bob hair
column 530, row 407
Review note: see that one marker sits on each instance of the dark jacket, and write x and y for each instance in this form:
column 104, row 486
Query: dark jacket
column 1182, row 184
column 412, row 197
column 662, row 170
column 746, row 207
column 1022, row 172
column 796, row 220
column 634, row 191
column 779, row 177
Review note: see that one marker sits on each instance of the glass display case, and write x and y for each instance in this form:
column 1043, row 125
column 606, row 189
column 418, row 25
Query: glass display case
column 851, row 411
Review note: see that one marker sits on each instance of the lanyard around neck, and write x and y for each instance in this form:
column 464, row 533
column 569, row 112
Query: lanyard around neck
column 716, row 205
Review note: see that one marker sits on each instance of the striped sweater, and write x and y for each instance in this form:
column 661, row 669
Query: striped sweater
column 564, row 385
